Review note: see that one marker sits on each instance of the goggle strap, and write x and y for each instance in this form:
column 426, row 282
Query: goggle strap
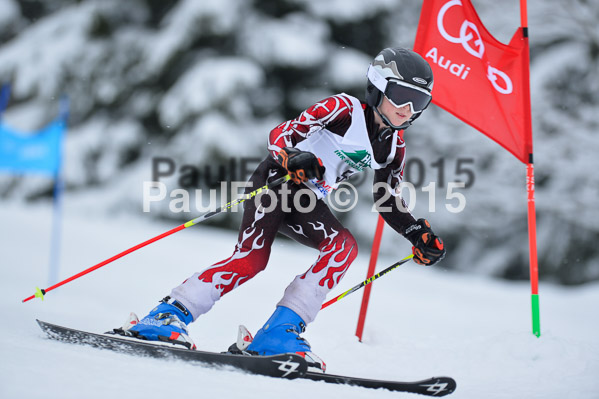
column 380, row 82
column 377, row 79
column 414, row 87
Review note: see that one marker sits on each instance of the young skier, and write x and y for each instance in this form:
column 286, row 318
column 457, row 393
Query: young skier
column 323, row 146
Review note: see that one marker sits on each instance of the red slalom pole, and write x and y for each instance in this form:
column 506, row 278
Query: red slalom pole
column 39, row 293
column 371, row 268
column 530, row 180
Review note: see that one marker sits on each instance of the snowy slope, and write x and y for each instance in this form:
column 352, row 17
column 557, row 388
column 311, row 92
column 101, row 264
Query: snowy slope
column 422, row 321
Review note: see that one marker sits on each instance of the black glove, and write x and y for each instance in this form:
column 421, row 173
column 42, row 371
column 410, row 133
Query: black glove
column 301, row 165
column 427, row 248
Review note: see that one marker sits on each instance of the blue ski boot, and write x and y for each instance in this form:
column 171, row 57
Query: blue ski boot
column 167, row 322
column 281, row 334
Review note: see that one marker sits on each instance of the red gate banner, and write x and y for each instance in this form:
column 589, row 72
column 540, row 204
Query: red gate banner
column 478, row 79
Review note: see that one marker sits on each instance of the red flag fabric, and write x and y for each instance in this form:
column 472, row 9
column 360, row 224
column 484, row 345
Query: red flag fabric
column 478, row 79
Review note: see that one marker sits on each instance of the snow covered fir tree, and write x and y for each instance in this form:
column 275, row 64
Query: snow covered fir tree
column 201, row 82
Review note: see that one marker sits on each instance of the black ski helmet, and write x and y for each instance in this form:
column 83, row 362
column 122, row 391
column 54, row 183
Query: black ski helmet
column 400, row 74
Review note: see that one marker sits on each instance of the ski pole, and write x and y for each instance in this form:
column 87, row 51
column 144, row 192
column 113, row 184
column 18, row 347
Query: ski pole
column 368, row 281
column 39, row 293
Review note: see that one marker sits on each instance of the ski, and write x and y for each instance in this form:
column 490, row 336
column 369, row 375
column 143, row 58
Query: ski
column 435, row 386
column 286, row 366
column 289, row 366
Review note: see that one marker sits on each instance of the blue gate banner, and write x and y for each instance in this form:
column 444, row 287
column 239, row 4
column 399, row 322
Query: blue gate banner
column 38, row 152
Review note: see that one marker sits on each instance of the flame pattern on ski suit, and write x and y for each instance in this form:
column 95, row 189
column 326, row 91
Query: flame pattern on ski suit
column 242, row 265
column 337, row 252
column 318, row 229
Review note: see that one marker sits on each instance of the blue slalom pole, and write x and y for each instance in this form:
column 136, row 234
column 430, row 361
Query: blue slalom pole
column 56, row 237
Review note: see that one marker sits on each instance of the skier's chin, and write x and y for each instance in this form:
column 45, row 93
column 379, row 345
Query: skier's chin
column 398, row 120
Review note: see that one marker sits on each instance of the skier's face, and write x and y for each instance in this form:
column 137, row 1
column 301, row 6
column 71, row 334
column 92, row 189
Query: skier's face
column 396, row 115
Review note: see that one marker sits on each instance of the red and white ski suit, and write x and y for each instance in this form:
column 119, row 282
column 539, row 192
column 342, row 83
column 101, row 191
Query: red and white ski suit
column 341, row 131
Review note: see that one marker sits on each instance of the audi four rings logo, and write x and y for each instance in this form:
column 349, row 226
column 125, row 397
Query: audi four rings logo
column 466, row 31
column 470, row 38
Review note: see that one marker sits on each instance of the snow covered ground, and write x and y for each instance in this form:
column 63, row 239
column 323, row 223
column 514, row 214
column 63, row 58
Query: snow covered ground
column 422, row 321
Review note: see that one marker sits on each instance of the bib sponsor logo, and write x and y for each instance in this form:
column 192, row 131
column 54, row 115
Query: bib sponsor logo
column 359, row 160
column 322, row 186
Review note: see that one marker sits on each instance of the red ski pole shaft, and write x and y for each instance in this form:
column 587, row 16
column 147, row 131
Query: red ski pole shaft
column 41, row 292
column 367, row 281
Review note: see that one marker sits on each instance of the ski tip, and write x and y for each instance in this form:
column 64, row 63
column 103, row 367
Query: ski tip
column 39, row 293
column 440, row 386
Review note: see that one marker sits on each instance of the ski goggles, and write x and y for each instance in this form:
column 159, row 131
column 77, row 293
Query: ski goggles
column 400, row 93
